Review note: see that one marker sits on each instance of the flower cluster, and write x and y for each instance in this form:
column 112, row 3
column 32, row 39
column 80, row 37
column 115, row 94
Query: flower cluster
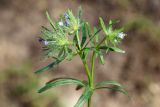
column 121, row 35
column 113, row 37
column 66, row 21
column 69, row 22
column 56, row 41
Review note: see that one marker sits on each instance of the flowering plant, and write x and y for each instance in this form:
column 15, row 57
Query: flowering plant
column 71, row 36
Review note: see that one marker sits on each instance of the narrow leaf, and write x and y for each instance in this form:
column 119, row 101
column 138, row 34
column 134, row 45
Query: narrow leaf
column 108, row 83
column 92, row 37
column 116, row 50
column 96, row 31
column 79, row 12
column 84, row 97
column 84, row 34
column 43, row 27
column 50, row 20
column 112, row 49
column 103, row 26
column 101, row 57
column 51, row 65
column 89, row 30
column 118, row 87
column 60, row 82
column 121, row 90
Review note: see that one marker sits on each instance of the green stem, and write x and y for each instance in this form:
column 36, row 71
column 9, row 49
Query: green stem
column 92, row 68
column 92, row 76
column 89, row 102
column 89, row 75
column 88, row 72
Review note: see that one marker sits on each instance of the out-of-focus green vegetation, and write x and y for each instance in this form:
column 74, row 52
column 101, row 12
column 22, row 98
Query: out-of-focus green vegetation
column 20, row 86
column 142, row 25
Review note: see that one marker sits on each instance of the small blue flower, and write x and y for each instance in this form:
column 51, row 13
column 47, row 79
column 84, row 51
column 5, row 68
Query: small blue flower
column 121, row 35
column 66, row 16
column 43, row 41
column 40, row 40
column 67, row 22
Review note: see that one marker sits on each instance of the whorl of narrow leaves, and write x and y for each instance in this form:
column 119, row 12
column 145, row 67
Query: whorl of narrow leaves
column 70, row 36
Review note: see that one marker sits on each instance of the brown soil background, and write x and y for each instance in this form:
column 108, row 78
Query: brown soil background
column 20, row 53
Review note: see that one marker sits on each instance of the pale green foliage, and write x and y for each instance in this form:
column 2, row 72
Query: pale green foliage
column 71, row 36
column 74, row 23
column 57, row 39
column 112, row 37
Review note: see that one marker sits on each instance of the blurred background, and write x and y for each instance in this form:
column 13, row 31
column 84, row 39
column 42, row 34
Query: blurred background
column 20, row 53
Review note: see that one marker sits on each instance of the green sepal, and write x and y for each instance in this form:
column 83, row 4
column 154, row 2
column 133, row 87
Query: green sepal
column 60, row 82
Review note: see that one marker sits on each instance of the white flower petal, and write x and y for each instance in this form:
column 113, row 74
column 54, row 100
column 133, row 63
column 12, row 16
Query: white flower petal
column 121, row 35
column 60, row 23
